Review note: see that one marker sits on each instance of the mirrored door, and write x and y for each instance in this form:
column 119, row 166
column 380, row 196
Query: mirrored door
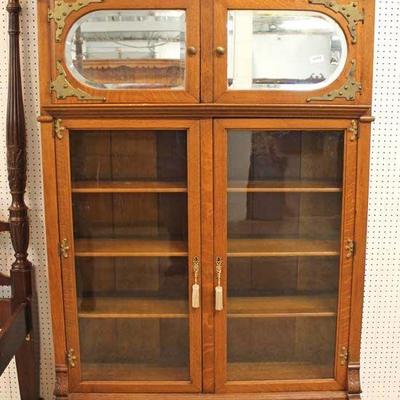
column 132, row 255
column 283, row 190
column 146, row 51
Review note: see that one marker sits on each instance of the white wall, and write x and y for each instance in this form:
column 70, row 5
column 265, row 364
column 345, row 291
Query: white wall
column 381, row 327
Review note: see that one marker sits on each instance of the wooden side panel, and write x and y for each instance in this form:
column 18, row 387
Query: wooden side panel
column 345, row 279
column 54, row 261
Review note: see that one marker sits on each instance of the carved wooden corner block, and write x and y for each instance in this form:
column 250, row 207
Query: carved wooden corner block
column 61, row 386
column 353, row 382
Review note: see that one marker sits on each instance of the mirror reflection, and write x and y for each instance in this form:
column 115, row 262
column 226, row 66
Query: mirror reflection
column 125, row 49
column 283, row 50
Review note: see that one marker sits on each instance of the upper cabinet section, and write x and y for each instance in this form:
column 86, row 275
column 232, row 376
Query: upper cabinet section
column 121, row 51
column 290, row 52
column 253, row 51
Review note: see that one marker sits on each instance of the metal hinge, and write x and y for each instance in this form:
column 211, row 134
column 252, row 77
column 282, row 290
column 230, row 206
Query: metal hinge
column 64, row 248
column 350, row 248
column 71, row 358
column 344, row 356
column 354, row 131
column 58, row 129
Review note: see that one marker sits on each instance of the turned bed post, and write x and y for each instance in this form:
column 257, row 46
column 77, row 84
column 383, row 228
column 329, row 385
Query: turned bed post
column 22, row 270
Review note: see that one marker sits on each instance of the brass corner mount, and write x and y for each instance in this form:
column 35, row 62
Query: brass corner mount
column 351, row 12
column 63, row 89
column 62, row 10
column 348, row 91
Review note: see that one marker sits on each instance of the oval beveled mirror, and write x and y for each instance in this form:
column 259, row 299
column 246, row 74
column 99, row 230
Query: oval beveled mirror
column 128, row 49
column 283, row 50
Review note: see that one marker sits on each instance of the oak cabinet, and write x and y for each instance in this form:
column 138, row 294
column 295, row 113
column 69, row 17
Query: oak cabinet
column 206, row 181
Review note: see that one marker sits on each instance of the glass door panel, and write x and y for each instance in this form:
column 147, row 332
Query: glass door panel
column 288, row 50
column 134, row 246
column 129, row 49
column 290, row 320
column 284, row 212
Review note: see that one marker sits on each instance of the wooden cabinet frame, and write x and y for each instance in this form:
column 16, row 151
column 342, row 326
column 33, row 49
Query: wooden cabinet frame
column 206, row 109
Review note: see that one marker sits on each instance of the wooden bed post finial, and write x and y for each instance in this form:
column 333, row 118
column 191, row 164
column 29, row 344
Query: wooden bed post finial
column 27, row 356
column 16, row 163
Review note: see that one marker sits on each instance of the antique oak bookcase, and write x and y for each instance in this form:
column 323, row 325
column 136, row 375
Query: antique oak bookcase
column 206, row 178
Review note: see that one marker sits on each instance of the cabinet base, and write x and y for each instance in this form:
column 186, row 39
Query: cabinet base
column 236, row 396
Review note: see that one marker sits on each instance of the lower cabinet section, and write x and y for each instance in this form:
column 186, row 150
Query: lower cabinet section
column 258, row 310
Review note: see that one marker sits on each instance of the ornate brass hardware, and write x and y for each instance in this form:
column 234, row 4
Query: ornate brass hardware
column 344, row 356
column 348, row 91
column 350, row 11
column 196, row 286
column 219, row 294
column 350, row 248
column 64, row 248
column 64, row 89
column 192, row 51
column 220, row 50
column 58, row 129
column 353, row 130
column 71, row 358
column 61, row 11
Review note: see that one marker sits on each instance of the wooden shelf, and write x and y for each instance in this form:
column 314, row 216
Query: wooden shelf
column 299, row 186
column 282, row 306
column 117, row 307
column 250, row 371
column 238, row 307
column 132, row 372
column 129, row 248
column 128, row 187
column 282, row 248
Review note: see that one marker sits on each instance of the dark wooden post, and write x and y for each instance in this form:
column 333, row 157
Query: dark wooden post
column 21, row 270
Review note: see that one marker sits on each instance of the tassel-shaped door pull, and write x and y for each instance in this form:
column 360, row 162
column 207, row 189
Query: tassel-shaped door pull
column 196, row 286
column 219, row 293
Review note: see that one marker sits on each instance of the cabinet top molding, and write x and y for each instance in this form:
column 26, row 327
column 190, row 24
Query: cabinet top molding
column 350, row 11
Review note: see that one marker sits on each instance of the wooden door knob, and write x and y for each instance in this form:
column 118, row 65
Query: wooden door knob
column 192, row 51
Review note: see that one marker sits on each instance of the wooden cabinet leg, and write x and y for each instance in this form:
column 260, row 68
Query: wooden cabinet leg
column 61, row 387
column 353, row 382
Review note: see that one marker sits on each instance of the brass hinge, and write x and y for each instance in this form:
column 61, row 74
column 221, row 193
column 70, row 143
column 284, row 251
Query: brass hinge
column 344, row 356
column 71, row 358
column 58, row 129
column 354, row 131
column 350, row 248
column 64, row 248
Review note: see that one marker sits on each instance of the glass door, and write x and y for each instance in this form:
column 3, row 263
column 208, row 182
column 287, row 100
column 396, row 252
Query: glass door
column 284, row 210
column 130, row 257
